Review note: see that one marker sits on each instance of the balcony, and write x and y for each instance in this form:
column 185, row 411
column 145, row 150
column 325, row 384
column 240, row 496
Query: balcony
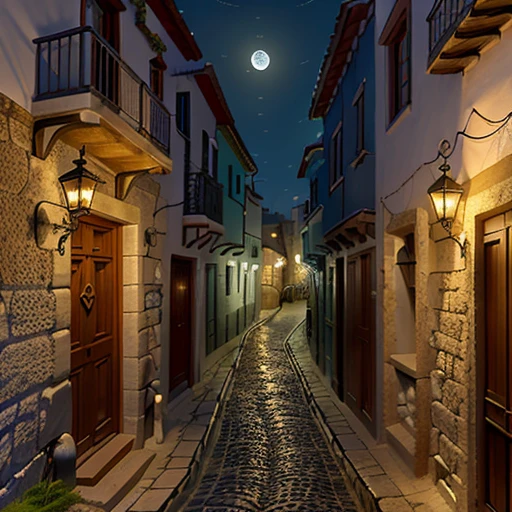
column 86, row 94
column 202, row 212
column 460, row 30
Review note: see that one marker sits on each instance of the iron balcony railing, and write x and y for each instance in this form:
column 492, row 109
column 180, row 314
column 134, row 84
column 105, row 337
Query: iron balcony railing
column 80, row 60
column 444, row 19
column 203, row 196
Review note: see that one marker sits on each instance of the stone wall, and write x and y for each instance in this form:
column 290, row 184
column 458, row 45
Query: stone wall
column 143, row 285
column 406, row 399
column 35, row 393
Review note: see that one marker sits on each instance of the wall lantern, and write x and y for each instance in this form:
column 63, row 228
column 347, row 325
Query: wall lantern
column 79, row 186
column 446, row 194
column 273, row 235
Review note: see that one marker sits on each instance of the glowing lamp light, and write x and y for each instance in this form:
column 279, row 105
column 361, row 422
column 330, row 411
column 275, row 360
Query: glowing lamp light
column 79, row 186
column 446, row 194
column 297, row 259
column 245, row 266
column 273, row 235
column 255, row 267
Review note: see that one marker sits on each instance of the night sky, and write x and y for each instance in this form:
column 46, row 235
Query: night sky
column 270, row 107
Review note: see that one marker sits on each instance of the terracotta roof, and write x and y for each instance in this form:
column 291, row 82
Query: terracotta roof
column 212, row 91
column 308, row 150
column 175, row 26
column 351, row 14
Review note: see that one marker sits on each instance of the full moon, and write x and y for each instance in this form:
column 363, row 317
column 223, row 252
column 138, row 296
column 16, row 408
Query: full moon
column 260, row 60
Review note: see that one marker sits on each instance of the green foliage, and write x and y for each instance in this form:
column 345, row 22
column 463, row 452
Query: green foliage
column 45, row 497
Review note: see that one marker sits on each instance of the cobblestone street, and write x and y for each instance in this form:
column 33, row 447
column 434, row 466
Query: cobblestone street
column 270, row 454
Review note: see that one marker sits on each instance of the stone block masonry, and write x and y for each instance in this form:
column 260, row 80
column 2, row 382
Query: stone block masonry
column 35, row 395
column 450, row 384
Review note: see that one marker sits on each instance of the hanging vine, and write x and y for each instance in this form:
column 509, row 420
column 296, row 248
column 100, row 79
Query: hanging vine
column 154, row 40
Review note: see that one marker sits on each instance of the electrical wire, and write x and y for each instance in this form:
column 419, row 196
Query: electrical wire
column 450, row 149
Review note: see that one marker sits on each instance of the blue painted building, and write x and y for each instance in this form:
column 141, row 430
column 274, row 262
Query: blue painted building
column 339, row 226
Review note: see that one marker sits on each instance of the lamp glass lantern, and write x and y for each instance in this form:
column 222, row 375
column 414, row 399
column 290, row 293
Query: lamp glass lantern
column 79, row 186
column 445, row 194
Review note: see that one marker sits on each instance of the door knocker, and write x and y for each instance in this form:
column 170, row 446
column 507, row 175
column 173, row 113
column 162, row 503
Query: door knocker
column 87, row 297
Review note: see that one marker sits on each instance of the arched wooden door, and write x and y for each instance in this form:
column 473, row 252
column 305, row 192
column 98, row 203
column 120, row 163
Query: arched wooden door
column 95, row 347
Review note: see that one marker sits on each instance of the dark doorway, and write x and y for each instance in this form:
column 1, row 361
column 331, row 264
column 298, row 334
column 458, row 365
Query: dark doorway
column 180, row 365
column 338, row 374
column 360, row 343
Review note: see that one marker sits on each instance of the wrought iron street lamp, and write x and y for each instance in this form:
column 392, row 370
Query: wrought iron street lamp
column 446, row 194
column 79, row 186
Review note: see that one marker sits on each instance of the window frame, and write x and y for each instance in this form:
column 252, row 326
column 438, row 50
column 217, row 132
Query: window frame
column 336, row 175
column 230, row 181
column 157, row 68
column 183, row 113
column 396, row 35
column 229, row 279
column 358, row 103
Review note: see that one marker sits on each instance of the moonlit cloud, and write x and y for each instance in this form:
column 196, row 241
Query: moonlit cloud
column 265, row 131
column 260, row 113
column 259, row 36
column 260, row 97
column 303, row 3
column 304, row 62
column 295, row 198
column 224, row 56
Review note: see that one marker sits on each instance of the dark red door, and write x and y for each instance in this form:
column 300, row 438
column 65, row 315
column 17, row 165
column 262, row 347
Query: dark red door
column 360, row 349
column 496, row 472
column 180, row 371
column 95, row 331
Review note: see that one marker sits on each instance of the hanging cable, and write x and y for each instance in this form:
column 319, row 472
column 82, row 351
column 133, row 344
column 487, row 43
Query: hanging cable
column 448, row 150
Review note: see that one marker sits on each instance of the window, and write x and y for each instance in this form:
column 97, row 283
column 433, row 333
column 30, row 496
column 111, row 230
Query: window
column 359, row 104
column 397, row 37
column 239, row 277
column 238, row 183
column 230, row 180
column 313, row 192
column 157, row 67
column 215, row 162
column 183, row 113
column 336, row 156
column 206, row 153
column 229, row 279
column 254, row 253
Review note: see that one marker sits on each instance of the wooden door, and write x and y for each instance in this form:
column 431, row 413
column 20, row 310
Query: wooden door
column 496, row 470
column 211, row 308
column 95, row 347
column 180, row 373
column 360, row 343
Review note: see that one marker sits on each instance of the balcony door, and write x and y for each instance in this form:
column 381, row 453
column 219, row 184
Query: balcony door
column 95, row 346
column 495, row 364
column 103, row 16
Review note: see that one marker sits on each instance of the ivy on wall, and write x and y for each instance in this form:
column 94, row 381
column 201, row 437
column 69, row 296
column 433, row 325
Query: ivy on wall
column 154, row 40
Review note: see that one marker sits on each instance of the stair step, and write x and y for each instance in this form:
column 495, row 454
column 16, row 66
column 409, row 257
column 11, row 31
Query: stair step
column 403, row 442
column 118, row 482
column 97, row 466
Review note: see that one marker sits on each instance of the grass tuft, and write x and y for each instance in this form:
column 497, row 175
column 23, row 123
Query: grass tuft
column 45, row 497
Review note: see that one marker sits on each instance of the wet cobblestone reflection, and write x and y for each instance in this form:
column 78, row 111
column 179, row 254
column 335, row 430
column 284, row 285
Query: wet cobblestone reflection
column 270, row 454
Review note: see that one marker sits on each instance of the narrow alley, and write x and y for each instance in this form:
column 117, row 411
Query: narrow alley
column 270, row 454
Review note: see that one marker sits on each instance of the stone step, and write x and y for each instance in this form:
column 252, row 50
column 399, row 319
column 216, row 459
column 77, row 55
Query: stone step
column 403, row 442
column 118, row 482
column 97, row 466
